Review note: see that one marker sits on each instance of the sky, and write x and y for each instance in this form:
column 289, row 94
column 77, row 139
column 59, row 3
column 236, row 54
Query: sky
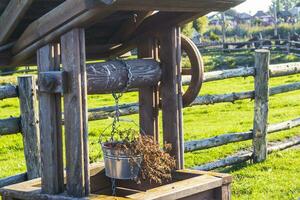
column 252, row 6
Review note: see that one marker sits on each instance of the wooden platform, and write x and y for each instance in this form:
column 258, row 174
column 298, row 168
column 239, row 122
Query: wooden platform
column 186, row 184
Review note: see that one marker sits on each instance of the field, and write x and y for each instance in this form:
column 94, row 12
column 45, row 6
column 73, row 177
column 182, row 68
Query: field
column 277, row 178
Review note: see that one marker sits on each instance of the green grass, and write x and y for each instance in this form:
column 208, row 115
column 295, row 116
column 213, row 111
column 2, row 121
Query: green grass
column 251, row 181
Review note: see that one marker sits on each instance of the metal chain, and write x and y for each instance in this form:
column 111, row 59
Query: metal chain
column 113, row 187
column 117, row 97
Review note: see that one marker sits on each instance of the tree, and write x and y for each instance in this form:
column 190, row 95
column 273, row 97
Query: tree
column 200, row 24
column 187, row 29
column 283, row 5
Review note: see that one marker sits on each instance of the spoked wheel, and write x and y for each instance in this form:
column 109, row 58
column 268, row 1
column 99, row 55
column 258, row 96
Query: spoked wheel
column 196, row 71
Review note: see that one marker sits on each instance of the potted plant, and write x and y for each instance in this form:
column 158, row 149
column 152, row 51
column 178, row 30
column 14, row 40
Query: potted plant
column 137, row 157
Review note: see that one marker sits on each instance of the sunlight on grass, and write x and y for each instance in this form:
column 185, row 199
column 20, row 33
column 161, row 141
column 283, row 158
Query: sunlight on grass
column 200, row 122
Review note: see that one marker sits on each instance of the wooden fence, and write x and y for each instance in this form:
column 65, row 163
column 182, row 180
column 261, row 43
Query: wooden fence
column 280, row 45
column 28, row 122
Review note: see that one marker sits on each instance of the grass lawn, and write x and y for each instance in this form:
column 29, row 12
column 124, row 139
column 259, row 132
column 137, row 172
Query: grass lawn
column 277, row 178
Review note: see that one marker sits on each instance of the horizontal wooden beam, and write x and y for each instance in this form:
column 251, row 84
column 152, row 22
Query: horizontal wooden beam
column 10, row 126
column 49, row 22
column 175, row 5
column 244, row 156
column 107, row 77
column 237, row 137
column 11, row 16
column 8, row 91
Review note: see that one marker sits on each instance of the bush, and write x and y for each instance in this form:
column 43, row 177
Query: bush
column 214, row 37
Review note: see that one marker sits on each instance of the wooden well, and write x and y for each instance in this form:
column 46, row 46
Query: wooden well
column 60, row 37
column 186, row 184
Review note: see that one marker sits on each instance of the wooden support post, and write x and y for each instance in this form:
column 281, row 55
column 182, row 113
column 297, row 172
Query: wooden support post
column 261, row 109
column 50, row 125
column 29, row 124
column 148, row 96
column 171, row 94
column 76, row 134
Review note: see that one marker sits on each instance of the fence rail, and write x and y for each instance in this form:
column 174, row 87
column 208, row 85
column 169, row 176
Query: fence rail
column 288, row 45
column 14, row 125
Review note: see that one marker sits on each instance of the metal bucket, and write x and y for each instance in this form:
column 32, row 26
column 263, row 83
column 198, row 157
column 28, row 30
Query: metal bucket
column 118, row 164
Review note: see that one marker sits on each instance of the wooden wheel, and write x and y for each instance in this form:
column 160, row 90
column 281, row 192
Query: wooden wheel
column 196, row 71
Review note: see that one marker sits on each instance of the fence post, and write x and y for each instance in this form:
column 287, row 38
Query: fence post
column 29, row 124
column 288, row 44
column 261, row 109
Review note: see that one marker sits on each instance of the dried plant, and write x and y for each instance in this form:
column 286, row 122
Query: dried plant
column 157, row 164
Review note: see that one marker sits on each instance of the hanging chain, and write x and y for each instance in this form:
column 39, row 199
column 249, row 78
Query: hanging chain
column 117, row 97
column 113, row 187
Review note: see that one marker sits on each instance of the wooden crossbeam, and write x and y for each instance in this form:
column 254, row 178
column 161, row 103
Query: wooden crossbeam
column 54, row 19
column 176, row 5
column 11, row 16
column 130, row 26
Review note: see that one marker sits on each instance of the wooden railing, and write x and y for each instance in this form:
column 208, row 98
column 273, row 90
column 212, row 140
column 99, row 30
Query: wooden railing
column 282, row 45
column 28, row 124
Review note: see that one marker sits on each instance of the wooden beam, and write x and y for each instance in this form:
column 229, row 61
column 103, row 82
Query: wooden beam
column 148, row 95
column 69, row 14
column 129, row 27
column 50, row 126
column 29, row 123
column 170, row 56
column 261, row 108
column 175, row 5
column 24, row 51
column 75, row 115
column 11, row 16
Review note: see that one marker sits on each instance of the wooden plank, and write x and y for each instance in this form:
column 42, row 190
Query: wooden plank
column 49, row 22
column 148, row 95
column 175, row 5
column 169, row 45
column 52, row 82
column 129, row 27
column 73, row 61
column 50, row 126
column 85, row 19
column 261, row 107
column 11, row 16
column 29, row 123
column 180, row 189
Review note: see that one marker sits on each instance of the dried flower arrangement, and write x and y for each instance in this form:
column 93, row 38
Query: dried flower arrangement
column 156, row 164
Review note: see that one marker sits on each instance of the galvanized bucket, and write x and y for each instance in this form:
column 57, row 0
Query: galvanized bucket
column 119, row 165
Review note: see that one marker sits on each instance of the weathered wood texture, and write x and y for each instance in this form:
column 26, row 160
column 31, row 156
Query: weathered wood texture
column 114, row 75
column 237, row 137
column 8, row 91
column 73, row 61
column 11, row 16
column 133, row 108
column 29, row 123
column 50, row 125
column 261, row 107
column 274, row 70
column 244, row 156
column 169, row 45
column 186, row 184
column 148, row 94
column 13, row 179
column 52, row 82
column 10, row 126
